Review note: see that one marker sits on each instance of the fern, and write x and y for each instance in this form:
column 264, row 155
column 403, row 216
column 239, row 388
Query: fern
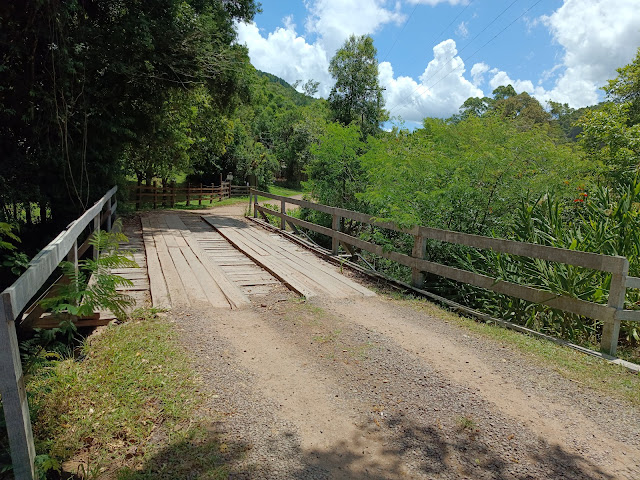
column 92, row 286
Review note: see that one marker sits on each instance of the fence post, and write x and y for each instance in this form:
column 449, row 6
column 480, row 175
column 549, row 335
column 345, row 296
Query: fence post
column 213, row 192
column 200, row 196
column 250, row 195
column 283, row 222
column 96, row 228
column 155, row 194
column 419, row 251
column 172, row 193
column 108, row 227
column 611, row 326
column 255, row 204
column 335, row 226
column 138, row 193
column 14, row 396
column 188, row 194
column 164, row 194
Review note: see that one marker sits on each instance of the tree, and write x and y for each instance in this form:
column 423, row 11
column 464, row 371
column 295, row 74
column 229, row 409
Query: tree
column 611, row 131
column 84, row 81
column 356, row 96
column 625, row 88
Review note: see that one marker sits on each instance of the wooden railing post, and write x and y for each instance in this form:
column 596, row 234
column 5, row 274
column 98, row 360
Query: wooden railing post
column 335, row 226
column 255, row 204
column 172, row 194
column 155, row 194
column 138, row 193
column 109, row 223
column 213, row 192
column 283, row 222
column 188, row 194
column 200, row 196
column 96, row 228
column 14, row 396
column 617, row 294
column 419, row 251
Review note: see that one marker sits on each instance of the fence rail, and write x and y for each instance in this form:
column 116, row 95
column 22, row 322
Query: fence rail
column 169, row 195
column 611, row 314
column 14, row 300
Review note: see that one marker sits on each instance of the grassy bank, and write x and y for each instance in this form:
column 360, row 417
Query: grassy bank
column 124, row 408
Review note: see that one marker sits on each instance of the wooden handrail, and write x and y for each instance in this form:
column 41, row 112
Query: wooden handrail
column 611, row 314
column 13, row 300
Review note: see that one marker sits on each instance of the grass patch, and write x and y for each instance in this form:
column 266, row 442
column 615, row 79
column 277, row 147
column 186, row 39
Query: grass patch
column 591, row 372
column 130, row 394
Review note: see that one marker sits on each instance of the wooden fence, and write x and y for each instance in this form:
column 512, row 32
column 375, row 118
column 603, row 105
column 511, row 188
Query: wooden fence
column 611, row 314
column 169, row 195
column 14, row 300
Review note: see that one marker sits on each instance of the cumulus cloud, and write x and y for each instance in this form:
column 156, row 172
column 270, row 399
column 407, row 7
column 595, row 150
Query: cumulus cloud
column 440, row 91
column 286, row 54
column 477, row 73
column 598, row 36
column 335, row 20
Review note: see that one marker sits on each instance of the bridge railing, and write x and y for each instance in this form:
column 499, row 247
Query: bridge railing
column 14, row 299
column 610, row 314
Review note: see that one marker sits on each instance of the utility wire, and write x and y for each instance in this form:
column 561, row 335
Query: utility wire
column 408, row 97
column 398, row 37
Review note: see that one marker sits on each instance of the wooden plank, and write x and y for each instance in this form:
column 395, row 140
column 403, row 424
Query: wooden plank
column 14, row 395
column 235, row 297
column 208, row 284
column 308, row 264
column 176, row 289
column 288, row 277
column 307, row 268
column 157, row 285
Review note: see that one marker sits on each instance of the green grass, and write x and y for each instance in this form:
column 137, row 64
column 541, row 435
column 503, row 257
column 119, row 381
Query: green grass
column 591, row 372
column 124, row 405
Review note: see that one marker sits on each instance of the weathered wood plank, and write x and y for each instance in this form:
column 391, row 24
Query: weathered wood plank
column 175, row 287
column 157, row 285
column 285, row 275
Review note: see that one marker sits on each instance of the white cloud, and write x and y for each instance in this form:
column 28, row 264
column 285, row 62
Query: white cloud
column 598, row 36
column 286, row 54
column 440, row 91
column 462, row 30
column 335, row 20
column 477, row 73
column 501, row 78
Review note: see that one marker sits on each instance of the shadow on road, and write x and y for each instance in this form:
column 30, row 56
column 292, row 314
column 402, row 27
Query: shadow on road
column 408, row 451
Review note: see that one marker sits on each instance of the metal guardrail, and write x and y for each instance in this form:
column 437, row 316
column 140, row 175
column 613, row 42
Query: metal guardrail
column 13, row 301
column 611, row 314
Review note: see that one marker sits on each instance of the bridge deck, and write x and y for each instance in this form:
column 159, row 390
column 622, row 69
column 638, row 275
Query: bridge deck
column 190, row 263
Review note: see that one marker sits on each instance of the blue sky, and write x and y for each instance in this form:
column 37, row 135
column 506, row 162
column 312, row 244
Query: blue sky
column 433, row 54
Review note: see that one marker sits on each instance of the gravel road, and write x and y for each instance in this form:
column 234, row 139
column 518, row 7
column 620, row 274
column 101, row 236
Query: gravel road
column 375, row 388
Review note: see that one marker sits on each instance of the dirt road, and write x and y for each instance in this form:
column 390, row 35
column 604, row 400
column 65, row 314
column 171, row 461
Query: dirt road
column 373, row 388
column 379, row 388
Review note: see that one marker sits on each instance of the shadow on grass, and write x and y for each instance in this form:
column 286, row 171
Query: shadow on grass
column 408, row 450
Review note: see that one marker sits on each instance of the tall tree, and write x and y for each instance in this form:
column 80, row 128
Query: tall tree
column 85, row 80
column 357, row 96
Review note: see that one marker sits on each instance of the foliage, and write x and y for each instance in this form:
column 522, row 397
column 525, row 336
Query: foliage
column 605, row 220
column 336, row 176
column 84, row 81
column 12, row 261
column 133, row 379
column 82, row 297
column 466, row 176
column 625, row 88
column 357, row 95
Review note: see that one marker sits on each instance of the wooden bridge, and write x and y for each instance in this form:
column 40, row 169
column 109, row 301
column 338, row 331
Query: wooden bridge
column 216, row 261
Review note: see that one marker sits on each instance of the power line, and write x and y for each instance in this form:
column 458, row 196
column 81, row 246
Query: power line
column 460, row 51
column 403, row 27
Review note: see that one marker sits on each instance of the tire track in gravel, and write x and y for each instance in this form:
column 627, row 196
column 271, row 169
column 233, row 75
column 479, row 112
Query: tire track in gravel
column 558, row 423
